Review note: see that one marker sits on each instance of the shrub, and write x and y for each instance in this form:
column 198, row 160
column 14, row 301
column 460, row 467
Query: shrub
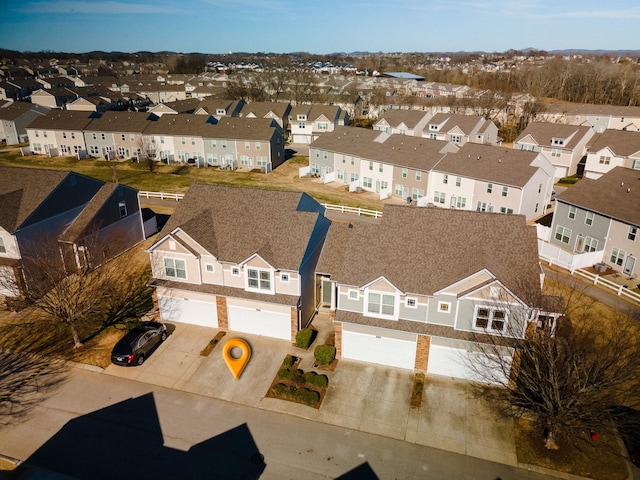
column 316, row 380
column 304, row 338
column 308, row 397
column 324, row 354
column 279, row 388
column 569, row 180
column 296, row 376
column 288, row 361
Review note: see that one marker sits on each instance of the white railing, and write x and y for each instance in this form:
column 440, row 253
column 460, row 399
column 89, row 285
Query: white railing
column 161, row 195
column 554, row 255
column 620, row 290
column 353, row 210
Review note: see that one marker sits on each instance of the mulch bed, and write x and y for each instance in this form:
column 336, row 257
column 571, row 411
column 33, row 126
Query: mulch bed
column 294, row 386
column 212, row 344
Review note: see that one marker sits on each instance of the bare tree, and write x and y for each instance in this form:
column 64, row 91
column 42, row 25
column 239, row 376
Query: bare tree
column 148, row 152
column 79, row 296
column 568, row 377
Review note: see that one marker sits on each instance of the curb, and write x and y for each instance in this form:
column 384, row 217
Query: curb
column 551, row 473
column 85, row 366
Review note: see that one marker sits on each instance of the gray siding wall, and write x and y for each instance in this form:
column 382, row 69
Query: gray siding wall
column 323, row 158
column 597, row 230
column 418, row 314
column 344, row 303
column 442, row 318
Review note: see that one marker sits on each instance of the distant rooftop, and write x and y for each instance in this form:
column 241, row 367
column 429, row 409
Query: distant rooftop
column 403, row 75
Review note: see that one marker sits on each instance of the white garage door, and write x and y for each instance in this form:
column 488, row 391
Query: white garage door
column 188, row 311
column 260, row 322
column 387, row 347
column 457, row 363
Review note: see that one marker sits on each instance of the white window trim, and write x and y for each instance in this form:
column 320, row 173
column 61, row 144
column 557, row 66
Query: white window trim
column 351, row 293
column 442, row 304
column 285, row 277
column 206, row 268
column 409, row 299
column 491, row 309
column 176, row 277
column 367, row 313
column 248, row 288
column 235, row 271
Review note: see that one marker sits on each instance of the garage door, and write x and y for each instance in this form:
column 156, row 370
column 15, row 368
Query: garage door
column 384, row 347
column 188, row 311
column 457, row 363
column 260, row 322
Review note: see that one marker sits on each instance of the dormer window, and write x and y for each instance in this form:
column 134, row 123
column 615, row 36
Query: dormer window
column 301, row 117
column 557, row 141
column 433, row 127
column 220, row 111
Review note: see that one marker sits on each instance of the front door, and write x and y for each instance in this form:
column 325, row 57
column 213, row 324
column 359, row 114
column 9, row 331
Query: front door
column 628, row 265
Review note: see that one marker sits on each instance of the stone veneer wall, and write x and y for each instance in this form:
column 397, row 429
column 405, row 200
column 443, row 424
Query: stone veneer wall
column 223, row 318
column 338, row 339
column 422, row 353
column 294, row 324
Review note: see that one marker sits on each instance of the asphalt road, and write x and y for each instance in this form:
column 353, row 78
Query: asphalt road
column 98, row 426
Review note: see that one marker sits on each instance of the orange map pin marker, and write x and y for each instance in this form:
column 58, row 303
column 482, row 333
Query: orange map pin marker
column 236, row 365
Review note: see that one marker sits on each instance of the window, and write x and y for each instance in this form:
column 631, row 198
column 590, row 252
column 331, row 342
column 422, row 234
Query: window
column 340, row 174
column 323, row 126
column 404, row 173
column 224, row 144
column 123, row 137
column 258, row 146
column 353, row 294
column 555, row 152
column 193, row 141
column 261, row 161
column 94, row 136
column 175, row 268
column 38, row 133
column 439, row 197
column 94, row 150
column 284, row 277
column 418, row 175
column 572, row 212
column 259, row 279
column 539, row 188
column 492, row 319
column 617, row 256
column 505, row 191
column 380, row 167
column 563, row 234
column 183, row 141
column 604, row 160
column 444, row 307
column 366, row 182
column 590, row 244
column 3, row 249
column 344, row 159
column 235, row 271
column 353, row 161
column 381, row 303
column 417, row 193
column 445, row 179
column 122, row 207
column 636, row 165
column 506, row 210
column 411, row 302
column 633, row 232
column 458, row 181
column 456, row 138
column 214, row 144
column 354, row 177
column 247, row 145
column 209, row 267
column 461, row 202
column 132, row 138
column 399, row 190
column 315, row 169
column 370, row 165
column 103, row 136
column 589, row 218
column 489, row 187
column 64, row 134
column 73, row 135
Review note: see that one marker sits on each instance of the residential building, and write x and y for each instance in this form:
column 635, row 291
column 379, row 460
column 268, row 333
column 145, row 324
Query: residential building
column 308, row 122
column 14, row 118
column 59, row 132
column 240, row 260
column 461, row 129
column 403, row 122
column 563, row 145
column 600, row 117
column 116, row 134
column 602, row 215
column 424, row 288
column 612, row 148
column 80, row 220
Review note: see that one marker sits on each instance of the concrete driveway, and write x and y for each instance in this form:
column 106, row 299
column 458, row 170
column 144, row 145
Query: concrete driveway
column 361, row 396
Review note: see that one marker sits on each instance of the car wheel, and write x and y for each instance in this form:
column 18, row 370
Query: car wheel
column 163, row 337
column 140, row 360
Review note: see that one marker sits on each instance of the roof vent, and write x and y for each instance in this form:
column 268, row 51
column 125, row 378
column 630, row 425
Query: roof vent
column 628, row 190
column 499, row 160
column 622, row 184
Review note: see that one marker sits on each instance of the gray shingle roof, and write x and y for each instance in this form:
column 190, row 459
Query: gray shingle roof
column 423, row 250
column 233, row 223
column 111, row 121
column 621, row 142
column 616, row 194
column 61, row 120
column 543, row 132
column 22, row 190
column 79, row 225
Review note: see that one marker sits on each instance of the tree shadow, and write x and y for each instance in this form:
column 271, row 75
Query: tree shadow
column 361, row 472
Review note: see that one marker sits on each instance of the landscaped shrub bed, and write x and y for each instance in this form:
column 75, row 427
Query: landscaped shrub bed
column 305, row 337
column 324, row 354
column 296, row 385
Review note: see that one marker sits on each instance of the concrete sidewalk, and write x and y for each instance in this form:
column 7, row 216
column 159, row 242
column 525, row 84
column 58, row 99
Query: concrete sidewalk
column 362, row 397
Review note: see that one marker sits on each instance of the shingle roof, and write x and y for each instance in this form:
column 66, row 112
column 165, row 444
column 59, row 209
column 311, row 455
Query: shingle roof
column 410, row 118
column 111, row 121
column 466, row 123
column 543, row 133
column 62, row 120
column 423, row 250
column 231, row 128
column 78, row 227
column 22, row 190
column 15, row 110
column 233, row 223
column 260, row 109
column 622, row 143
column 615, row 194
column 491, row 164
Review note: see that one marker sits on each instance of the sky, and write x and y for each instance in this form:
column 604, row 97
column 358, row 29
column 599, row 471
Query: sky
column 316, row 26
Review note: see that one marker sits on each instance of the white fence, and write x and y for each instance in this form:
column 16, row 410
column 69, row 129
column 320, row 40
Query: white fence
column 353, row 210
column 571, row 261
column 161, row 195
column 620, row 290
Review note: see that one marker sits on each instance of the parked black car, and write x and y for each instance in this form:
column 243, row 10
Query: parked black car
column 136, row 345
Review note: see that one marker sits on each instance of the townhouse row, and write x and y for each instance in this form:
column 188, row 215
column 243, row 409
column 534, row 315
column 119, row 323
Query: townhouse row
column 434, row 172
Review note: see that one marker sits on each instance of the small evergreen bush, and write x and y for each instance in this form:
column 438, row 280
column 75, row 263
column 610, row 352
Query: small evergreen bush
column 324, row 354
column 304, row 338
column 316, row 380
column 288, row 361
